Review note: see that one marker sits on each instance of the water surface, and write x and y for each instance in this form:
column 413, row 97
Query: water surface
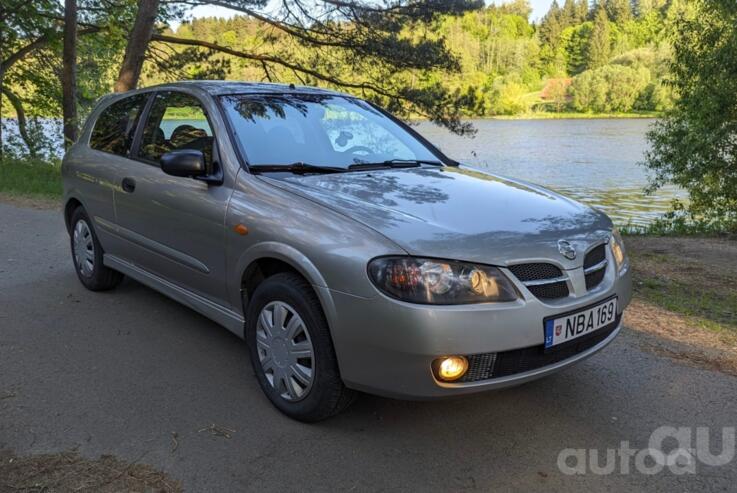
column 594, row 161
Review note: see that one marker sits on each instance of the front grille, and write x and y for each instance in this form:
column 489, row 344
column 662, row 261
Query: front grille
column 550, row 291
column 594, row 278
column 480, row 367
column 487, row 366
column 595, row 256
column 531, row 275
column 535, row 272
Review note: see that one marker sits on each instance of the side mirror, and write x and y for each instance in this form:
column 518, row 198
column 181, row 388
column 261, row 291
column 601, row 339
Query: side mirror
column 184, row 162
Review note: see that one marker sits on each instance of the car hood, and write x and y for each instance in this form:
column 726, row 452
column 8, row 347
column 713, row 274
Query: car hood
column 459, row 213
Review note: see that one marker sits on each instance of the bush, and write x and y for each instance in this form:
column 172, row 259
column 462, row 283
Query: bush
column 508, row 98
column 609, row 89
column 656, row 97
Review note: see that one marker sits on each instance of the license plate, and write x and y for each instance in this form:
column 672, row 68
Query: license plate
column 574, row 325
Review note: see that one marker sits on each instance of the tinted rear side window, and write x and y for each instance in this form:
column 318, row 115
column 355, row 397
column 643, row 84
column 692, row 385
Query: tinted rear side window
column 176, row 121
column 116, row 125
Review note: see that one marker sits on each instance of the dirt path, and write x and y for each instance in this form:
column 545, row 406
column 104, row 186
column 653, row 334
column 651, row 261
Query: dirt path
column 68, row 471
column 685, row 305
column 38, row 203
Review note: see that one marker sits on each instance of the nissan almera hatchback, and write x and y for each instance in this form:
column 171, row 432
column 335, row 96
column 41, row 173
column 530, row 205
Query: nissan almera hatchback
column 349, row 252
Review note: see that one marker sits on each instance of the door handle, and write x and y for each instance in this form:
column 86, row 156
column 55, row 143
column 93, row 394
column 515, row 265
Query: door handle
column 128, row 184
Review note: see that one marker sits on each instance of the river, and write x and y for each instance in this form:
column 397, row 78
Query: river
column 592, row 160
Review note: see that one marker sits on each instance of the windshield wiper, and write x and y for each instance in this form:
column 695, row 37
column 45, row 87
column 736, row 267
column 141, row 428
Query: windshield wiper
column 299, row 168
column 395, row 163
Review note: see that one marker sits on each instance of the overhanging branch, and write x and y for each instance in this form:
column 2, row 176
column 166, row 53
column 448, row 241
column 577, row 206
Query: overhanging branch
column 40, row 42
column 289, row 29
column 18, row 55
column 277, row 61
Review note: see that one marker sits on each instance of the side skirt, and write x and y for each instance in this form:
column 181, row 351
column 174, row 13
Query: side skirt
column 226, row 317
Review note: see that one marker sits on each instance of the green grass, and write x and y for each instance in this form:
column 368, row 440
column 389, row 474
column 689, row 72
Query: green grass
column 708, row 300
column 30, row 178
column 712, row 309
column 680, row 227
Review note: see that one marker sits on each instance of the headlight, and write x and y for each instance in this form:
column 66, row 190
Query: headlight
column 439, row 282
column 617, row 245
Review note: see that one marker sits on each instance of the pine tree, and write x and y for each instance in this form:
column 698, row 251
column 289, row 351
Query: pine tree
column 568, row 14
column 582, row 11
column 619, row 11
column 642, row 8
column 550, row 26
column 600, row 42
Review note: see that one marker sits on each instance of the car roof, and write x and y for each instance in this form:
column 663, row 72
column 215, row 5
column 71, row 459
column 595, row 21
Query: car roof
column 223, row 87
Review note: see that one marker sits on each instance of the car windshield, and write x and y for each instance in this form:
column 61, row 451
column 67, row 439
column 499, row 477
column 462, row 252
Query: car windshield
column 318, row 130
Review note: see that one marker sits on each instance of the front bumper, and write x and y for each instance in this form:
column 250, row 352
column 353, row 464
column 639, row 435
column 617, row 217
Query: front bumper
column 387, row 347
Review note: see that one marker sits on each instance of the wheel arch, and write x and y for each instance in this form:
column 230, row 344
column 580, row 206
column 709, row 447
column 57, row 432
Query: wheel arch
column 266, row 259
column 69, row 207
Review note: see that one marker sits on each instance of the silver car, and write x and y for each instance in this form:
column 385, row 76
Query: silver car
column 348, row 251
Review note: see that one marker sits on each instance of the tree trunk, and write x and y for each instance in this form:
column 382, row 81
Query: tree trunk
column 21, row 117
column 135, row 51
column 2, row 86
column 2, row 78
column 69, row 73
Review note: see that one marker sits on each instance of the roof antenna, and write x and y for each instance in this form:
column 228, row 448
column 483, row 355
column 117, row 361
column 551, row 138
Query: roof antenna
column 291, row 85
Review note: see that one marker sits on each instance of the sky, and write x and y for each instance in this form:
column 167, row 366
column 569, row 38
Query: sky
column 539, row 8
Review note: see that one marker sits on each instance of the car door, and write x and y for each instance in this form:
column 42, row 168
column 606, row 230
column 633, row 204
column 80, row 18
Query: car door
column 175, row 225
column 98, row 162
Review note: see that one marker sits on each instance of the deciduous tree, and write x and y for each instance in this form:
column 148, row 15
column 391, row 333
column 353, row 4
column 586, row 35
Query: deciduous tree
column 24, row 28
column 695, row 145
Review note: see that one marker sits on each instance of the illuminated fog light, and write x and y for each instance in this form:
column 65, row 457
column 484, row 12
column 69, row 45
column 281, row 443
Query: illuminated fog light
column 451, row 368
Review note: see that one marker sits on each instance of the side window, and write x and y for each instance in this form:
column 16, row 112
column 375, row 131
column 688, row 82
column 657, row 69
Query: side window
column 176, row 121
column 114, row 128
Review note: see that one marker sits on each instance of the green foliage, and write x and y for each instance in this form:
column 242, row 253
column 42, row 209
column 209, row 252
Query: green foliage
column 695, row 145
column 599, row 48
column 508, row 98
column 619, row 11
column 678, row 223
column 576, row 47
column 582, row 10
column 609, row 89
column 503, row 59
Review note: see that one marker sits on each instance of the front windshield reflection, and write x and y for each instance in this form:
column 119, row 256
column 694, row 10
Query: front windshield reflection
column 320, row 130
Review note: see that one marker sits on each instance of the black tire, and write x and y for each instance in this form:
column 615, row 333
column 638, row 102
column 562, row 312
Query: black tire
column 327, row 394
column 99, row 277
